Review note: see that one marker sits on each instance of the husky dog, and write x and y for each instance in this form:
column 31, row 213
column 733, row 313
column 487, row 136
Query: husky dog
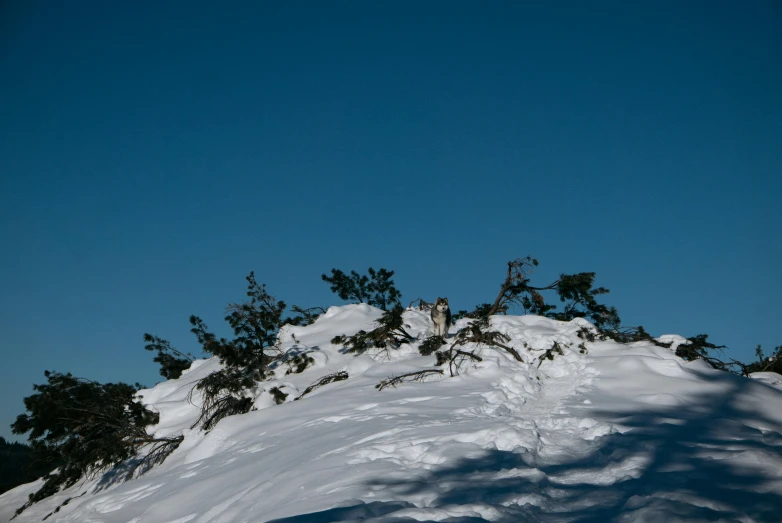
column 441, row 316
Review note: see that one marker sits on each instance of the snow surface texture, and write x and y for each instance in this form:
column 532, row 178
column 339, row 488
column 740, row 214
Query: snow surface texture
column 621, row 433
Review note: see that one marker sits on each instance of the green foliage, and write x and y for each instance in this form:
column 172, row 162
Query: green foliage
column 18, row 465
column 482, row 310
column 631, row 335
column 304, row 316
column 172, row 362
column 430, row 345
column 255, row 323
column 278, row 395
column 550, row 353
column 443, row 357
column 246, row 358
column 390, row 333
column 772, row 363
column 587, row 334
column 576, row 291
column 79, row 427
column 297, row 363
column 516, row 290
column 222, row 395
column 82, row 427
column 248, row 363
column 477, row 331
column 377, row 289
column 698, row 347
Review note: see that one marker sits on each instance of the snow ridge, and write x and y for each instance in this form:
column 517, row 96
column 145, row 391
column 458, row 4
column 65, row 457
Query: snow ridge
column 604, row 432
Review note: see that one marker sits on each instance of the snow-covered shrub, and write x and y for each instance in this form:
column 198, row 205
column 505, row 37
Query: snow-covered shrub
column 390, row 333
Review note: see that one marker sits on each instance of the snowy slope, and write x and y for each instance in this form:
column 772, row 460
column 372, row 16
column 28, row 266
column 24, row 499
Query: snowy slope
column 621, row 433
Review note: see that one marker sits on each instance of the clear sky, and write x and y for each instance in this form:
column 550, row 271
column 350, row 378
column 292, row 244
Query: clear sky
column 153, row 153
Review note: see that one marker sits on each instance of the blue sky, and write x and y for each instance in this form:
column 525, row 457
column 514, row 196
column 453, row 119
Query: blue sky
column 153, row 153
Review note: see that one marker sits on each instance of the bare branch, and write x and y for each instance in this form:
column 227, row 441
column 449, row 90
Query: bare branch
column 325, row 380
column 411, row 376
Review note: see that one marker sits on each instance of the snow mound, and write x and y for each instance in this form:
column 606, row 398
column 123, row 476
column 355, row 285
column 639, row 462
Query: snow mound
column 603, row 432
column 769, row 378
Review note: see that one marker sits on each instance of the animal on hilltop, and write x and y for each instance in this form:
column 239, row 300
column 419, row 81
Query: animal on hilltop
column 441, row 317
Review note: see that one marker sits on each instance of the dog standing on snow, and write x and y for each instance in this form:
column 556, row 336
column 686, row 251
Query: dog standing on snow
column 441, row 316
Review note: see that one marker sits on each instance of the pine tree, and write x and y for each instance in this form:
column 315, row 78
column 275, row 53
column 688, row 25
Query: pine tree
column 82, row 427
column 698, row 347
column 172, row 362
column 246, row 358
column 576, row 291
column 377, row 289
column 18, row 465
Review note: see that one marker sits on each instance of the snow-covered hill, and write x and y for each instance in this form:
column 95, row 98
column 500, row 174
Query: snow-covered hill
column 619, row 433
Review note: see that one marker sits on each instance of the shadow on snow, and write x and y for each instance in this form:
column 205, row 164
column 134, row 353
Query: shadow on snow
column 677, row 463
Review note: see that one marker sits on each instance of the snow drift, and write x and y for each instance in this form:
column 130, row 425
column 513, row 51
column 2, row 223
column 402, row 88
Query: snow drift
column 616, row 433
